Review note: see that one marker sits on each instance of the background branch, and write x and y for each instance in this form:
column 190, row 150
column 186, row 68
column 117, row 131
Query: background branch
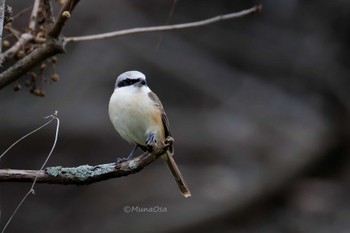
column 53, row 45
column 255, row 9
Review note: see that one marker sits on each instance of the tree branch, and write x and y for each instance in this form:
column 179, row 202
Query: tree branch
column 255, row 9
column 86, row 174
column 23, row 39
column 54, row 44
column 46, row 50
column 62, row 17
column 34, row 16
column 51, row 47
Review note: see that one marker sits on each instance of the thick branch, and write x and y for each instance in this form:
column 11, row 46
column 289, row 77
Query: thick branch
column 85, row 174
column 254, row 9
column 46, row 50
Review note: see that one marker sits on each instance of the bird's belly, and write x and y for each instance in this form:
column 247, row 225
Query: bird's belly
column 134, row 120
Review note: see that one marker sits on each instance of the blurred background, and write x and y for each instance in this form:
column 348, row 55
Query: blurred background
column 258, row 106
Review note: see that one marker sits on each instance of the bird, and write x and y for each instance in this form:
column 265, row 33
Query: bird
column 139, row 117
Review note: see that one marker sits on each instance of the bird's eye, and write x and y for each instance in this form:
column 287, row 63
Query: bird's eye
column 129, row 82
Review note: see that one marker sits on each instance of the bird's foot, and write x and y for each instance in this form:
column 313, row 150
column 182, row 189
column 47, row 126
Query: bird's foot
column 132, row 153
column 151, row 139
column 151, row 142
column 120, row 160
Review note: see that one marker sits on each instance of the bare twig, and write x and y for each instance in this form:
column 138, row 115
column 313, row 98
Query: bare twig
column 31, row 190
column 19, row 14
column 172, row 9
column 23, row 39
column 85, row 174
column 25, row 136
column 125, row 32
column 13, row 31
column 55, row 43
column 34, row 16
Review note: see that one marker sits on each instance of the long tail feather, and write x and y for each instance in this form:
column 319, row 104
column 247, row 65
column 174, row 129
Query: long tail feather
column 174, row 169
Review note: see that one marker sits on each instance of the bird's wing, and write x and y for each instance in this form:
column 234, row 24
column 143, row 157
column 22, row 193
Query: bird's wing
column 165, row 120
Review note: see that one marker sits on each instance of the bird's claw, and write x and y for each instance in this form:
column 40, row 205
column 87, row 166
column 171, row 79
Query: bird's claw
column 150, row 146
column 169, row 141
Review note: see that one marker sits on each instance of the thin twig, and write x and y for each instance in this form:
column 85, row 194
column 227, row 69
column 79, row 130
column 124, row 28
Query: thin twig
column 24, row 39
column 13, row 31
column 55, row 43
column 125, row 32
column 53, row 117
column 25, row 136
column 31, row 190
column 19, row 14
column 34, row 16
column 172, row 9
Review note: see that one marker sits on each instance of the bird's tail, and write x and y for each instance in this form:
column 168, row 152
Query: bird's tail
column 174, row 169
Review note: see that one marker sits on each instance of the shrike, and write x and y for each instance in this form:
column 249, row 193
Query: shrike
column 139, row 117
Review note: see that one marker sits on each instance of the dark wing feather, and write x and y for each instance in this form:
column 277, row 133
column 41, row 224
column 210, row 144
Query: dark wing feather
column 165, row 120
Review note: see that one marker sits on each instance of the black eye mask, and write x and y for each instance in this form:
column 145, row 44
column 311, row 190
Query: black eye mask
column 128, row 82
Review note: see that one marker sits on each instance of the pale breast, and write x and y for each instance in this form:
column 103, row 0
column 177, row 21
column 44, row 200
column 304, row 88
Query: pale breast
column 134, row 116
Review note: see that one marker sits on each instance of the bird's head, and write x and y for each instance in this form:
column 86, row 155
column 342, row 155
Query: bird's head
column 131, row 78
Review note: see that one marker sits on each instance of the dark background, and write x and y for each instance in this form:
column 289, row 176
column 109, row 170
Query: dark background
column 259, row 108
